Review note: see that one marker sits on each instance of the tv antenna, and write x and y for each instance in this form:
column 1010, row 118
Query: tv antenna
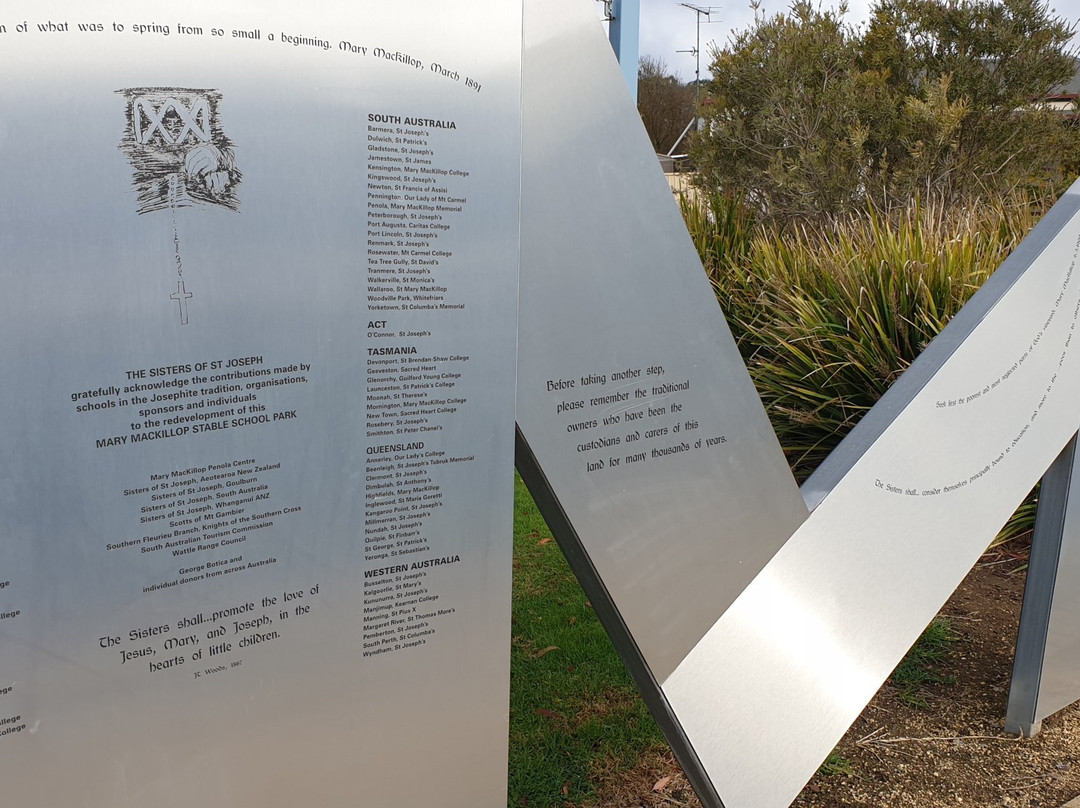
column 706, row 12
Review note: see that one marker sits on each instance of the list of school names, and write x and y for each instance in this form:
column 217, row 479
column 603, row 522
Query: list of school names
column 411, row 402
column 12, row 722
column 211, row 520
column 415, row 201
column 203, row 522
column 219, row 517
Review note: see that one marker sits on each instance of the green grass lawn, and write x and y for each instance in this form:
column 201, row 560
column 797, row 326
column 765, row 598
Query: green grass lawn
column 574, row 711
column 576, row 720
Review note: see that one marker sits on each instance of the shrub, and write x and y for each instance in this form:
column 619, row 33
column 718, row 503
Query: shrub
column 809, row 117
column 828, row 316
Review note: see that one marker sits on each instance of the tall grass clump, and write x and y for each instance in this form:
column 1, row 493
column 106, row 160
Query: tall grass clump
column 721, row 226
column 829, row 315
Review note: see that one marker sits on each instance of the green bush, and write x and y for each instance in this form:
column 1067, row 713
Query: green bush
column 808, row 116
column 829, row 315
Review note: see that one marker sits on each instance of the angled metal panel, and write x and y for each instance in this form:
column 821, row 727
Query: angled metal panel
column 640, row 433
column 790, row 665
column 631, row 392
column 902, row 512
column 1060, row 684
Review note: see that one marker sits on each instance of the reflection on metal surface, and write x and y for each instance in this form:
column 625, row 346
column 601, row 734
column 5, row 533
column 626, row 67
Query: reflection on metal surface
column 256, row 505
column 1046, row 672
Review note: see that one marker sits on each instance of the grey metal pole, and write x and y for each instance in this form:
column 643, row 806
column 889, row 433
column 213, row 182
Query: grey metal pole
column 1022, row 716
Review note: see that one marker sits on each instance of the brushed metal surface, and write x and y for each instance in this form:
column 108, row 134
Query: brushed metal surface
column 689, row 493
column 1059, row 684
column 1022, row 716
column 253, row 165
column 778, row 679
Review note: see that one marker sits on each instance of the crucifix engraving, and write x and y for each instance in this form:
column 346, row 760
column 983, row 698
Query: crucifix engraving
column 181, row 296
column 180, row 158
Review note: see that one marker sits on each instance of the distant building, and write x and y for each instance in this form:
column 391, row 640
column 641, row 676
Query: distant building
column 1063, row 98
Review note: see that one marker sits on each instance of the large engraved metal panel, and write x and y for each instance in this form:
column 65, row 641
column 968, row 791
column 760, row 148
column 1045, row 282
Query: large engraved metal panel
column 641, row 434
column 259, row 311
column 631, row 393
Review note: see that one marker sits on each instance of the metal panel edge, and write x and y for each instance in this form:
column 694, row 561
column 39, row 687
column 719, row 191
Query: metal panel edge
column 1022, row 716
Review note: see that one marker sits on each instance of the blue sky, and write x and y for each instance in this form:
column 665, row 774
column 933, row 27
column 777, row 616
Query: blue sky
column 667, row 27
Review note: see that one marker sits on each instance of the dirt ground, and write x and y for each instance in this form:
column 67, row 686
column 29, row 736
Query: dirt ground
column 950, row 752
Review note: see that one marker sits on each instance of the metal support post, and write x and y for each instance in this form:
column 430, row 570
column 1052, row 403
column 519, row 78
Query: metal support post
column 623, row 33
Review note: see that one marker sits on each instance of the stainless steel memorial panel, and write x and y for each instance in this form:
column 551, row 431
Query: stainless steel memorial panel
column 259, row 263
column 790, row 665
column 632, row 396
column 641, row 434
